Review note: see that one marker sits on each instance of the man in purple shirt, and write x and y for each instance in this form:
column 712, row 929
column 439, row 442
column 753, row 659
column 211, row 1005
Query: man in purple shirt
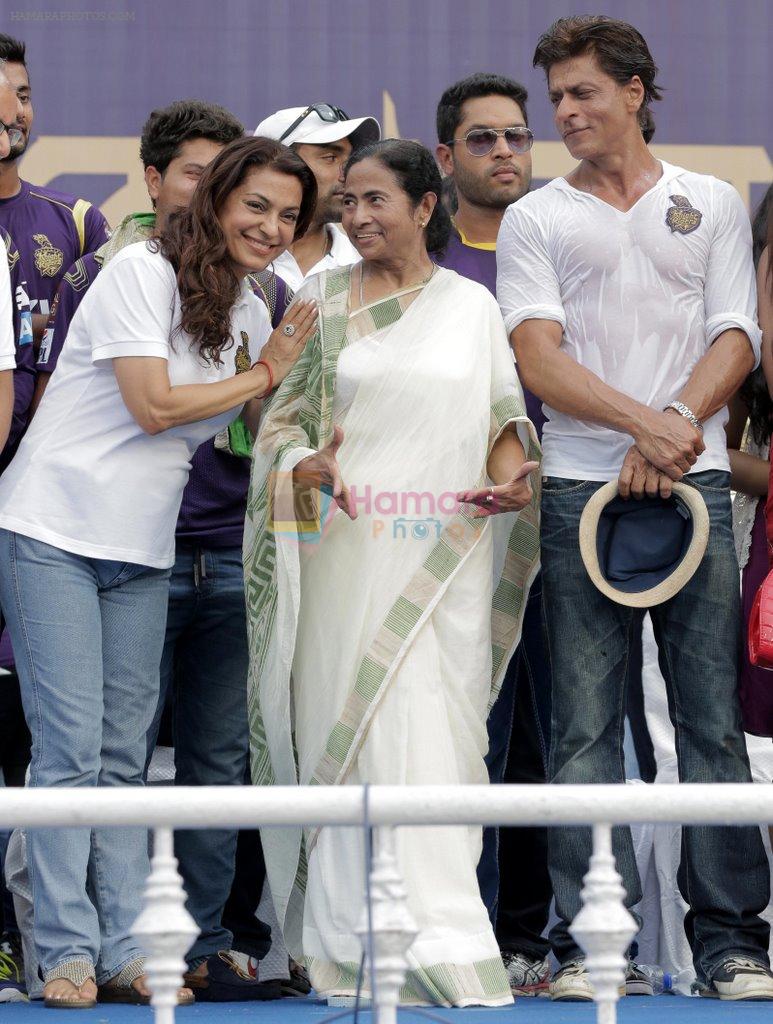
column 205, row 656
column 51, row 229
column 485, row 144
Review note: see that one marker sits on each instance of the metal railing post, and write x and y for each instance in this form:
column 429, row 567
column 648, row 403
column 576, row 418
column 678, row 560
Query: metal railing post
column 604, row 928
column 164, row 928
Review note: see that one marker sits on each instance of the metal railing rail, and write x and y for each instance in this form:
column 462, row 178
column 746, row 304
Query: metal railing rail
column 603, row 928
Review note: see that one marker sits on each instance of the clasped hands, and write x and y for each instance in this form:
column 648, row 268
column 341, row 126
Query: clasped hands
column 665, row 448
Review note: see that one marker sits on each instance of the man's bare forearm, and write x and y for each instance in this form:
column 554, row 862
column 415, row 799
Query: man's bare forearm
column 718, row 375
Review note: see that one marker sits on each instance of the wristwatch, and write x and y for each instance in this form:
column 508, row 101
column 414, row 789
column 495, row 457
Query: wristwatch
column 688, row 414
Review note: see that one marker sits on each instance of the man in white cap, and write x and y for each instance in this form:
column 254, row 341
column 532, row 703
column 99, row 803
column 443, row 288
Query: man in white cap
column 324, row 136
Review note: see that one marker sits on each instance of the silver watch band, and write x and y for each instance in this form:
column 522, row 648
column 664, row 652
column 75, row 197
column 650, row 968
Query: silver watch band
column 688, row 414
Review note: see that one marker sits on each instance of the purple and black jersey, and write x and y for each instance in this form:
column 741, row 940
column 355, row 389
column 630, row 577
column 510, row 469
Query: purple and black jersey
column 24, row 374
column 52, row 230
column 479, row 263
column 215, row 497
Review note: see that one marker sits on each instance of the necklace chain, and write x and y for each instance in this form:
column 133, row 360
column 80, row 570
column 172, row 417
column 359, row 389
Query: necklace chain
column 419, row 285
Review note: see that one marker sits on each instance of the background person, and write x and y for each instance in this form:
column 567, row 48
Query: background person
column 324, row 137
column 490, row 170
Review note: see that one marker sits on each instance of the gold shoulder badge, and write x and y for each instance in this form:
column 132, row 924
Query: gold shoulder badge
column 682, row 216
column 48, row 259
column 242, row 358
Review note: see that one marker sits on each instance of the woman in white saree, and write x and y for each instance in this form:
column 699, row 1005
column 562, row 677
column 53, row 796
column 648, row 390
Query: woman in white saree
column 383, row 609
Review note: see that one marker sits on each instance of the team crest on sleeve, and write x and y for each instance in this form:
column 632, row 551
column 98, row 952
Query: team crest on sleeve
column 48, row 259
column 242, row 358
column 682, row 216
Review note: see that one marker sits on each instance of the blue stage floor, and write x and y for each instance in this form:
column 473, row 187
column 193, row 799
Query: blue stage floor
column 662, row 1009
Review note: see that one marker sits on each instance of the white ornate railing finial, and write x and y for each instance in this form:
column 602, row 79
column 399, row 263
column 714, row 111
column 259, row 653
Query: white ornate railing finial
column 393, row 928
column 604, row 928
column 164, row 929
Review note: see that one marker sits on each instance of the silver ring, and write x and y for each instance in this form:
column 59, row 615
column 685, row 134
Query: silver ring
column 490, row 497
column 289, row 330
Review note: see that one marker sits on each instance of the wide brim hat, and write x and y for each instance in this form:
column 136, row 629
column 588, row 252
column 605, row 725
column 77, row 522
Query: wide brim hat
column 641, row 552
column 313, row 130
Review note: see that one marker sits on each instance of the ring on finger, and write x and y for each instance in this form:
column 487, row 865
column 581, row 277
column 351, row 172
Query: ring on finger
column 289, row 330
column 490, row 496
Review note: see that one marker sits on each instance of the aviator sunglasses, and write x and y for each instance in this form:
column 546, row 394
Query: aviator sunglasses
column 480, row 141
column 325, row 111
column 15, row 135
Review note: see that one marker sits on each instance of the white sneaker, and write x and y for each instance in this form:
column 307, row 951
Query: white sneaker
column 528, row 976
column 572, row 984
column 738, row 977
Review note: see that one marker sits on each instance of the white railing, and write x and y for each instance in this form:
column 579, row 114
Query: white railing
column 603, row 928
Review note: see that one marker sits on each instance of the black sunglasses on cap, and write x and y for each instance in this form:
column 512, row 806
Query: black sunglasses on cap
column 325, row 111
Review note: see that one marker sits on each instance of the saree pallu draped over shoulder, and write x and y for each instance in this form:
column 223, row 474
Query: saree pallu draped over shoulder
column 378, row 645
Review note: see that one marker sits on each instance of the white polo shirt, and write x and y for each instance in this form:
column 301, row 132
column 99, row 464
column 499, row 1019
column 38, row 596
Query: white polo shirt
column 342, row 254
column 87, row 478
column 641, row 297
column 7, row 340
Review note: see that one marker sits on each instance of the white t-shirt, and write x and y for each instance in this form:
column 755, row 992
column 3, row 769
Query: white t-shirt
column 342, row 254
column 87, row 478
column 641, row 297
column 7, row 341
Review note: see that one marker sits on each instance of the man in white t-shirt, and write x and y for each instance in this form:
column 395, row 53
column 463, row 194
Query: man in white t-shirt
column 324, row 137
column 628, row 291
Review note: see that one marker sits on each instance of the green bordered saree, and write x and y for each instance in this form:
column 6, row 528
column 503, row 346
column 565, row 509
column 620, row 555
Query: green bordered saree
column 299, row 421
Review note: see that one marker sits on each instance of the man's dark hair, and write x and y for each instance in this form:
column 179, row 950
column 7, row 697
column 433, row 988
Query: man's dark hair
column 619, row 48
column 12, row 50
column 449, row 109
column 167, row 129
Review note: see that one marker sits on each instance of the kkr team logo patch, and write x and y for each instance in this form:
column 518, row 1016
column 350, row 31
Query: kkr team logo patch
column 682, row 216
column 242, row 358
column 48, row 259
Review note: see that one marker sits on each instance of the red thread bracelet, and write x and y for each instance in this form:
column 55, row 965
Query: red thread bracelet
column 270, row 388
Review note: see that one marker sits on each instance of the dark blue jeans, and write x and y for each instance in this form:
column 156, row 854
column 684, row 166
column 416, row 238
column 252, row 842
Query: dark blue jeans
column 513, row 873
column 206, row 658
column 723, row 875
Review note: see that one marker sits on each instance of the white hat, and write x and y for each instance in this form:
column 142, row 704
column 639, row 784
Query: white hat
column 314, row 129
column 642, row 552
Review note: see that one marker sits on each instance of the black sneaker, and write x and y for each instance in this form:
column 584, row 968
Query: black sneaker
column 738, row 977
column 12, row 985
column 231, row 977
column 637, row 981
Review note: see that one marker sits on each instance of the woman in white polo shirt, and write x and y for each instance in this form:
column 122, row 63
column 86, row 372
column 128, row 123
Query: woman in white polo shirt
column 166, row 348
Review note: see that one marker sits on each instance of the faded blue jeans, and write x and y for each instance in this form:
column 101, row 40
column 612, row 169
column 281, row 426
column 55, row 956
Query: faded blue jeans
column 87, row 636
column 205, row 663
column 723, row 875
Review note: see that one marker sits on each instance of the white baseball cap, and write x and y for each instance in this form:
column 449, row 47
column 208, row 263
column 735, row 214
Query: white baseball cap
column 317, row 124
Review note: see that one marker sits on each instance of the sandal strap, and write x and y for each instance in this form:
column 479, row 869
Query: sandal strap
column 133, row 970
column 76, row 971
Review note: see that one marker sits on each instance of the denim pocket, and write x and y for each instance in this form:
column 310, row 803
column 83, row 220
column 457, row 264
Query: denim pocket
column 716, row 481
column 557, row 485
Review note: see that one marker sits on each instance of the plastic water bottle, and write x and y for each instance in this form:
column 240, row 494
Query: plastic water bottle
column 662, row 981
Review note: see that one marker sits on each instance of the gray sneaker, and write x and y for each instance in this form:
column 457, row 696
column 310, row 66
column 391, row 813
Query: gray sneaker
column 527, row 975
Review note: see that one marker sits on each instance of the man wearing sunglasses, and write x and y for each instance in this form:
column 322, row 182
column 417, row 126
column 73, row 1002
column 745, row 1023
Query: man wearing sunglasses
column 325, row 137
column 485, row 147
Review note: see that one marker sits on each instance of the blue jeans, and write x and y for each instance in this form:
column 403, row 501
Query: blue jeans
column 87, row 636
column 723, row 875
column 204, row 667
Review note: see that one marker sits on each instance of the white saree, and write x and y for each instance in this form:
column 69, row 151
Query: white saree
column 377, row 644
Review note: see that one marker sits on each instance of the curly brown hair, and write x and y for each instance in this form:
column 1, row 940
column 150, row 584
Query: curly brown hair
column 194, row 243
